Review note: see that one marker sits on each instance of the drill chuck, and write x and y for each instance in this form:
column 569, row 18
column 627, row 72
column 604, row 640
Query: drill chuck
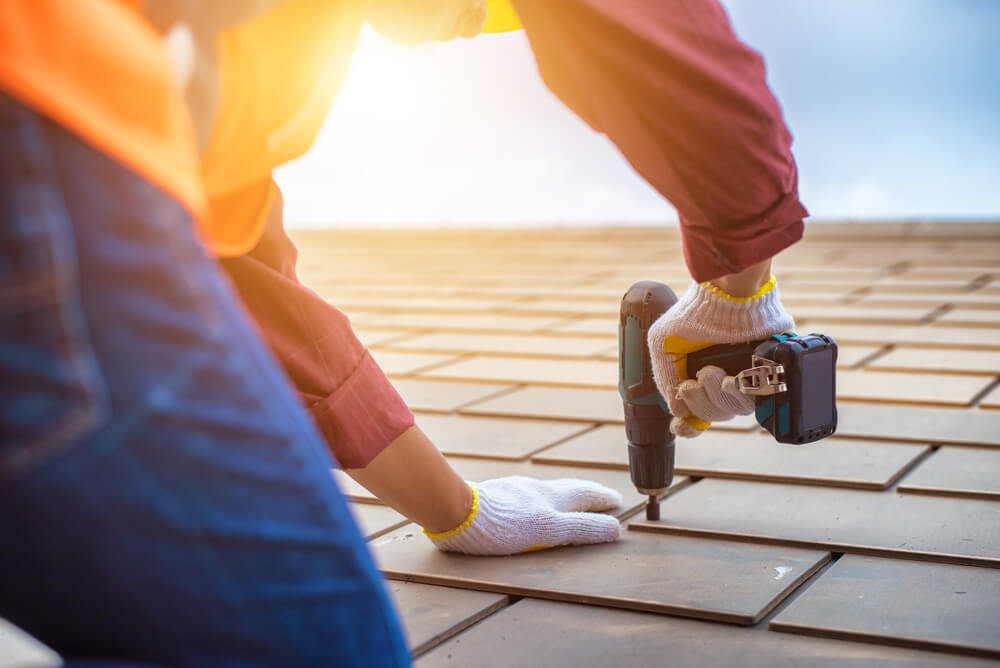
column 650, row 450
column 647, row 417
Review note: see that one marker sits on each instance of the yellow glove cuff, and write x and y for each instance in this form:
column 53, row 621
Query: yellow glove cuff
column 764, row 289
column 466, row 523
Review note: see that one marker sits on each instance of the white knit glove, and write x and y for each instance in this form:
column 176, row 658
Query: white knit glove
column 703, row 317
column 519, row 514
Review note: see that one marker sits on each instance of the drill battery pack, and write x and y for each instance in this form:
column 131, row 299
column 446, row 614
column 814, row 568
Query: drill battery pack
column 792, row 378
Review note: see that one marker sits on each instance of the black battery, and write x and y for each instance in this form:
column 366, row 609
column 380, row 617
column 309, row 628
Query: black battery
column 792, row 377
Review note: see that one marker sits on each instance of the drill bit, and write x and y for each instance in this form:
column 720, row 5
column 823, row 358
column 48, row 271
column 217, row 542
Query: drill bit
column 652, row 508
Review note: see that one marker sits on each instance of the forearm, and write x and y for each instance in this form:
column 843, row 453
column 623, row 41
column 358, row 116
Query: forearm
column 712, row 141
column 412, row 476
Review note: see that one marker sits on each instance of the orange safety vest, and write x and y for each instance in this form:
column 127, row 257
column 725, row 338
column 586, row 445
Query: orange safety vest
column 98, row 69
column 280, row 73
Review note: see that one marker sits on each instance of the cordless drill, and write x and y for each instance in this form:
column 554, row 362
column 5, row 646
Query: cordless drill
column 647, row 417
column 791, row 377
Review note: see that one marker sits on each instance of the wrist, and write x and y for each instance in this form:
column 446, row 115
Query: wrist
column 706, row 313
column 469, row 509
column 456, row 511
column 745, row 283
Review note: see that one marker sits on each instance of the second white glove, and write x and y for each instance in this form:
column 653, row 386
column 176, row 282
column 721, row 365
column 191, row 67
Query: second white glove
column 520, row 514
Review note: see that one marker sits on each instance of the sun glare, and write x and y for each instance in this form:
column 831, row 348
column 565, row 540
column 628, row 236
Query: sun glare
column 463, row 132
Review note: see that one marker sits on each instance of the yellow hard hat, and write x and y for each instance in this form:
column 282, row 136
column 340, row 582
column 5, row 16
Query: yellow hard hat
column 502, row 17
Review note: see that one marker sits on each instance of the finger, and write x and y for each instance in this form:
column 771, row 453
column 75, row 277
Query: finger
column 585, row 529
column 684, row 428
column 743, row 404
column 677, row 406
column 723, row 392
column 696, row 397
column 574, row 495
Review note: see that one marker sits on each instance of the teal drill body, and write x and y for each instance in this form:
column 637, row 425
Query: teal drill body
column 647, row 417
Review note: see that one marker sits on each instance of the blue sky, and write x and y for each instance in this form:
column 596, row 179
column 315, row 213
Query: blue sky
column 900, row 98
column 894, row 106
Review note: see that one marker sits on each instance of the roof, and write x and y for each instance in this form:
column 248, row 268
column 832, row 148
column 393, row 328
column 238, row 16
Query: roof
column 880, row 545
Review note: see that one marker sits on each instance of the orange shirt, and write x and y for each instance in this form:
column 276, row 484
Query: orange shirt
column 98, row 69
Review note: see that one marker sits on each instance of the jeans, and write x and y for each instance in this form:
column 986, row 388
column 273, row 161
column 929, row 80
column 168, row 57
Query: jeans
column 164, row 498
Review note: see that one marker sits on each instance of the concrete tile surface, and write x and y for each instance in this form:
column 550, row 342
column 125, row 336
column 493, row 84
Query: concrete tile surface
column 555, row 372
column 692, row 577
column 504, row 343
column 554, row 403
column 511, row 345
column 839, row 462
column 952, row 530
column 551, row 634
column 578, row 404
column 438, row 397
column 376, row 520
column 881, row 599
column 978, row 362
column 404, row 364
column 495, row 437
column 908, row 481
column 430, row 615
column 927, row 389
column 955, row 471
column 992, row 399
column 922, row 424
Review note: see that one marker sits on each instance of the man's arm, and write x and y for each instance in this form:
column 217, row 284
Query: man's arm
column 412, row 476
column 371, row 432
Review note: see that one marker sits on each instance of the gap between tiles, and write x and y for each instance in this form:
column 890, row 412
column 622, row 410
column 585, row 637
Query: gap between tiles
column 458, row 357
column 765, row 622
column 935, row 314
column 463, row 626
column 594, row 426
column 910, row 467
column 984, row 393
column 843, row 548
column 871, row 357
column 499, row 393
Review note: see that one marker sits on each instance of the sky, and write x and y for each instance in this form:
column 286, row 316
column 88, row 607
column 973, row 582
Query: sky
column 894, row 106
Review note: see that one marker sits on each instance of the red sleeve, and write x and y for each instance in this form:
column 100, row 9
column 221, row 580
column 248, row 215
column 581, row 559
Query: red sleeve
column 356, row 408
column 362, row 416
column 688, row 105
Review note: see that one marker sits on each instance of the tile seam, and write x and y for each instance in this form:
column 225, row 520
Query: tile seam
column 846, row 548
column 875, row 639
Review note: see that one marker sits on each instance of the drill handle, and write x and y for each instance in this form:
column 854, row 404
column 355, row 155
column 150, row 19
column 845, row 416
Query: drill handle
column 731, row 357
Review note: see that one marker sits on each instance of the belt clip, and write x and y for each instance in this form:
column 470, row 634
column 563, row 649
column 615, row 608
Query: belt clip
column 765, row 378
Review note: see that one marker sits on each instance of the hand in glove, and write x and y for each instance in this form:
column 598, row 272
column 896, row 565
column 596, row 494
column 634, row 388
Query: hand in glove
column 519, row 514
column 706, row 316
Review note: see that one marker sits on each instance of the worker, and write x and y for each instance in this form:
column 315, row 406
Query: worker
column 714, row 143
column 154, row 457
column 164, row 497
column 278, row 75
